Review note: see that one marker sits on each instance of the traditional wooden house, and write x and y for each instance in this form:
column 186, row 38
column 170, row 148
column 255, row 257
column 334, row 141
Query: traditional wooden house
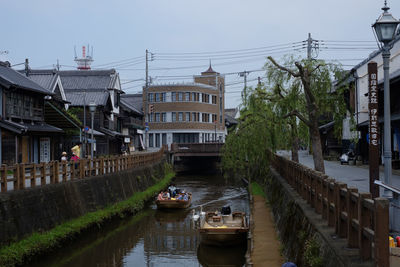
column 132, row 120
column 25, row 135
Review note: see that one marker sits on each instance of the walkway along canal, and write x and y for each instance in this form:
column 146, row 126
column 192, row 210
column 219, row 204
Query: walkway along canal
column 159, row 238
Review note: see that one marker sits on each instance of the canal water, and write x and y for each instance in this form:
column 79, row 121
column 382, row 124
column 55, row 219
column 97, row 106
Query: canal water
column 159, row 238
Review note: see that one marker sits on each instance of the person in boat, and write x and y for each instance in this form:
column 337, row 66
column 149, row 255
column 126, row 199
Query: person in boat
column 166, row 195
column 172, row 190
column 185, row 197
column 160, row 196
column 179, row 197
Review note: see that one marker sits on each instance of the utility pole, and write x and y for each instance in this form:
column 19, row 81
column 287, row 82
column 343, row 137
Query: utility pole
column 309, row 46
column 146, row 105
column 244, row 75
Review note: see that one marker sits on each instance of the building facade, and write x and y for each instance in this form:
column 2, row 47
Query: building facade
column 186, row 113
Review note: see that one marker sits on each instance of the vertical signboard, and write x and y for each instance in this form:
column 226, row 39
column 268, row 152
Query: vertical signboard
column 45, row 149
column 373, row 128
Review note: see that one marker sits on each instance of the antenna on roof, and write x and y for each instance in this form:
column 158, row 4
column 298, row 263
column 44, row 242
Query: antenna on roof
column 75, row 51
column 86, row 60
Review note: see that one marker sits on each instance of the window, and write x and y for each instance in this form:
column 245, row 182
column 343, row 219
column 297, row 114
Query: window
column 205, row 117
column 163, row 117
column 150, row 116
column 187, row 96
column 164, row 139
column 214, row 99
column 193, row 97
column 157, row 140
column 180, row 96
column 163, row 97
column 187, row 118
column 151, row 97
column 173, row 116
column 157, row 117
column 205, row 98
column 151, row 141
column 214, row 118
column 157, row 97
column 182, row 138
column 180, row 116
column 173, row 96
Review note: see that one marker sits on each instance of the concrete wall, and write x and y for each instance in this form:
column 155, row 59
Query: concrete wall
column 37, row 209
column 299, row 227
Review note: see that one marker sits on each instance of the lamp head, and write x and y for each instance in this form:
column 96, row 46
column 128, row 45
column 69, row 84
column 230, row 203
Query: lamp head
column 385, row 26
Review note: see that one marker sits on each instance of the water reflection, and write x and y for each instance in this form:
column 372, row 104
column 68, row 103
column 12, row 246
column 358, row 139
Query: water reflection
column 221, row 256
column 158, row 237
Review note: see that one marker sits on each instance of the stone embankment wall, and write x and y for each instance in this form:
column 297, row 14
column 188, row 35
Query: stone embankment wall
column 307, row 240
column 38, row 209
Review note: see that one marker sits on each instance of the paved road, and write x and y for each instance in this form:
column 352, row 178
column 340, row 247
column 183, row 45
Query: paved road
column 353, row 176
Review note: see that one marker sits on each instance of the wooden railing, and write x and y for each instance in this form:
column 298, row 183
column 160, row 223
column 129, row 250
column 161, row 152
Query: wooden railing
column 363, row 221
column 20, row 176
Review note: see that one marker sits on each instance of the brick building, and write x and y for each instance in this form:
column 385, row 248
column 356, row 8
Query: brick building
column 186, row 112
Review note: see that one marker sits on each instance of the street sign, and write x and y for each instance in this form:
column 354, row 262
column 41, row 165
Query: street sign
column 146, row 129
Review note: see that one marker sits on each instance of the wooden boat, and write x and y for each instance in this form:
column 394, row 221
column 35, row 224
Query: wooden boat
column 173, row 203
column 223, row 230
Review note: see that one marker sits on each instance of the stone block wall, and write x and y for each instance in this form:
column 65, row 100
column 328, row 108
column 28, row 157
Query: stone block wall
column 35, row 209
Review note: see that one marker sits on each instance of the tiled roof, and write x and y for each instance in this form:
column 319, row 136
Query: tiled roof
column 127, row 105
column 88, row 79
column 134, row 101
column 231, row 112
column 81, row 97
column 12, row 78
column 45, row 78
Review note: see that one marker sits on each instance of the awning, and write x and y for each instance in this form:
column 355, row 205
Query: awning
column 393, row 117
column 21, row 128
column 111, row 133
column 95, row 133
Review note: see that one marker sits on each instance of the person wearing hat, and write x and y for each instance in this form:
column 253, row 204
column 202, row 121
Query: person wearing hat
column 64, row 156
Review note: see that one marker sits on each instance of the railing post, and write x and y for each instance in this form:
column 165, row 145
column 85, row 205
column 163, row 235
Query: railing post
column 342, row 211
column 338, row 208
column 33, row 175
column 81, row 169
column 16, row 176
column 101, row 166
column 4, row 178
column 364, row 220
column 381, row 221
column 352, row 209
column 42, row 173
column 22, row 176
column 56, row 172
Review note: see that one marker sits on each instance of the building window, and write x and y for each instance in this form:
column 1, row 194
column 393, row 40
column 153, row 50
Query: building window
column 150, row 116
column 163, row 97
column 205, row 117
column 187, row 116
column 151, row 141
column 157, row 140
column 151, row 97
column 173, row 116
column 214, row 99
column 193, row 97
column 180, row 96
column 173, row 96
column 185, row 138
column 187, row 96
column 180, row 116
column 157, row 97
column 214, row 118
column 205, row 98
column 157, row 117
column 164, row 139
column 163, row 117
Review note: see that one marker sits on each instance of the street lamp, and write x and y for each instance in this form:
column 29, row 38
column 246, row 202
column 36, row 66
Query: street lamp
column 385, row 29
column 92, row 108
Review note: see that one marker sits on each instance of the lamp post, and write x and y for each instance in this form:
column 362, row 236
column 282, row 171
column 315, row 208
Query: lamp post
column 385, row 29
column 92, row 108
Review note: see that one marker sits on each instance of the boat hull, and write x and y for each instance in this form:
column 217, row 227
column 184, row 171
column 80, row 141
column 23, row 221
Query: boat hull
column 223, row 237
column 173, row 204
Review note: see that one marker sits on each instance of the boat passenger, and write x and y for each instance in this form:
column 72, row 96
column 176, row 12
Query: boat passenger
column 179, row 197
column 171, row 190
column 160, row 196
column 185, row 197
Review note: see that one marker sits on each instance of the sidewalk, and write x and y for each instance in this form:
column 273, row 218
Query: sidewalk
column 266, row 246
column 352, row 175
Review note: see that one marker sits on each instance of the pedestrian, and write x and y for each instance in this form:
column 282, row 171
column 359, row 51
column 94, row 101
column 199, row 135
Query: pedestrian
column 77, row 150
column 123, row 149
column 64, row 156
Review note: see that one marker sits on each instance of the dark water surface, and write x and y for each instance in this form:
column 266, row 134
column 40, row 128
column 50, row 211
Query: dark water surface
column 159, row 238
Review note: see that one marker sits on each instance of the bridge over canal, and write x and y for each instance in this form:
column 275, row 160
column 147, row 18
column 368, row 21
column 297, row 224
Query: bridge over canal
column 196, row 156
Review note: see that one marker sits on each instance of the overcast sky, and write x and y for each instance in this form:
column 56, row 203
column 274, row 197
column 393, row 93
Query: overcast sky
column 120, row 31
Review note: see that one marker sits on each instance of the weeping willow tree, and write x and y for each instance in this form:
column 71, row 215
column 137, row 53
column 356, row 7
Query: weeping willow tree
column 304, row 89
column 246, row 149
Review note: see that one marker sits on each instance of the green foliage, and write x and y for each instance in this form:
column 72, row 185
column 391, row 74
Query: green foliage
column 246, row 149
column 312, row 256
column 74, row 111
column 257, row 190
column 19, row 252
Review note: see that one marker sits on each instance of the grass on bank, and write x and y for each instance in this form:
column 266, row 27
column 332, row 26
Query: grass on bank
column 17, row 253
column 257, row 190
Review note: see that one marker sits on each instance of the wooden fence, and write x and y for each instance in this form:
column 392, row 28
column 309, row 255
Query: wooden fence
column 363, row 221
column 20, row 176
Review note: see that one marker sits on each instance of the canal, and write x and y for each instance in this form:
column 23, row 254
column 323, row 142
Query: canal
column 159, row 238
